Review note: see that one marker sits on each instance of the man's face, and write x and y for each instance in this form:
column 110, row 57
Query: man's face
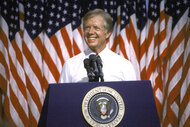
column 95, row 33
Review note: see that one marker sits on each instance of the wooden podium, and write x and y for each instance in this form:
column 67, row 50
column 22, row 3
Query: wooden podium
column 63, row 104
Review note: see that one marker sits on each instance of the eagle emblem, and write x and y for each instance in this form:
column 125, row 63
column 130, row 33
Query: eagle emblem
column 103, row 107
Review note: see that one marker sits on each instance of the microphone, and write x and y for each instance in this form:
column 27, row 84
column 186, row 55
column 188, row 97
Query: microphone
column 93, row 63
column 90, row 73
column 99, row 64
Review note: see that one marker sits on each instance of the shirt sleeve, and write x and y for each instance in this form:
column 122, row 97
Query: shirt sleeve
column 129, row 72
column 64, row 78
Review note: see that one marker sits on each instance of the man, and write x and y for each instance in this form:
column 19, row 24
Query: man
column 97, row 27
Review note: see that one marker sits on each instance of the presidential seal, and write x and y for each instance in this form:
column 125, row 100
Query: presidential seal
column 103, row 107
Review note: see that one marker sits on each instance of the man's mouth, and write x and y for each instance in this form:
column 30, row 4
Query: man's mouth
column 91, row 38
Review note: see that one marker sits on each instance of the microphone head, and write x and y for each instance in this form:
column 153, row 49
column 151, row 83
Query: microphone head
column 99, row 60
column 86, row 62
column 92, row 57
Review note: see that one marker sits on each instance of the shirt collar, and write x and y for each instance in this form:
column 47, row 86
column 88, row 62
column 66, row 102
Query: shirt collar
column 102, row 54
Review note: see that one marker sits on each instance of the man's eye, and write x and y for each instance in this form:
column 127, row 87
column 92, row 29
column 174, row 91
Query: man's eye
column 97, row 28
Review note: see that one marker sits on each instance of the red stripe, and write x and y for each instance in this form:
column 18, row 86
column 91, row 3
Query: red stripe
column 122, row 47
column 51, row 65
column 32, row 62
column 34, row 94
column 17, row 78
column 7, row 111
column 18, row 107
column 133, row 38
column 57, row 48
column 67, row 41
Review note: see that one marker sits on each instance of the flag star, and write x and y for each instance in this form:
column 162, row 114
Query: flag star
column 11, row 25
column 74, row 23
column 151, row 5
column 34, row 15
column 35, row 7
column 155, row 6
column 27, row 21
column 5, row 3
column 12, row 9
column 28, row 5
column 57, row 23
column 95, row 3
column 16, row 18
column 42, row 8
column 33, row 31
column 11, row 33
column 178, row 3
column 111, row 2
column 105, row 2
column 12, row 17
column 74, row 14
column 185, row 1
column 5, row 12
column 34, row 23
column 125, row 6
column 40, row 24
column 122, row 22
column 51, row 14
column 123, row 13
column 58, row 16
column 49, row 30
column 63, row 19
column 143, row 6
column 28, row 13
column 178, row 11
column 59, row 8
column 66, row 4
column 50, row 22
column 111, row 11
column 53, row 6
column 75, row 6
column 64, row 11
column 41, row 16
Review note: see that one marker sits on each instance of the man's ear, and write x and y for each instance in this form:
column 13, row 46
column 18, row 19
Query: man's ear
column 108, row 35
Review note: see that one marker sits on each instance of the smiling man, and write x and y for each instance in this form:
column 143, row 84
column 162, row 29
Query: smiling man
column 97, row 27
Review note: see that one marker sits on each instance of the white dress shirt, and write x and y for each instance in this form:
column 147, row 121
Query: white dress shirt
column 115, row 67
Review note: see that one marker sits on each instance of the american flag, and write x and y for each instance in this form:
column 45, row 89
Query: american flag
column 38, row 36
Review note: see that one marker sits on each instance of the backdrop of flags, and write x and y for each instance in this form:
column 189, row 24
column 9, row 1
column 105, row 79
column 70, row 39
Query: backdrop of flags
column 38, row 36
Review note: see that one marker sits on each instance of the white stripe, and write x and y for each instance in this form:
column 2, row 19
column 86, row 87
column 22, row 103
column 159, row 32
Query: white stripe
column 185, row 85
column 33, row 79
column 175, row 80
column 53, row 54
column 79, row 40
column 179, row 25
column 33, row 107
column 175, row 109
column 143, row 62
column 176, row 54
column 18, row 94
column 62, row 45
column 185, row 115
column 13, row 112
column 159, row 95
column 48, row 75
column 33, row 49
column 2, row 71
column 126, row 42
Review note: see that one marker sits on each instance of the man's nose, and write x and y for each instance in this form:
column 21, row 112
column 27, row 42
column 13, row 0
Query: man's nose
column 91, row 31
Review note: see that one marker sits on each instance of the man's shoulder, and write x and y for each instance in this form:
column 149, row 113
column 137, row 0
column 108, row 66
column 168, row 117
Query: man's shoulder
column 76, row 58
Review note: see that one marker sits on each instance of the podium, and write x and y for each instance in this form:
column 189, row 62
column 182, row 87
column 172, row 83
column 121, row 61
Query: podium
column 63, row 104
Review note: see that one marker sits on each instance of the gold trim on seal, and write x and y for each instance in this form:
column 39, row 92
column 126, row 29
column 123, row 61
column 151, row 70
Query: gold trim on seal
column 109, row 91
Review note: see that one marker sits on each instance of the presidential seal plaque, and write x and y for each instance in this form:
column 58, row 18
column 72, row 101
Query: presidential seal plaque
column 103, row 107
